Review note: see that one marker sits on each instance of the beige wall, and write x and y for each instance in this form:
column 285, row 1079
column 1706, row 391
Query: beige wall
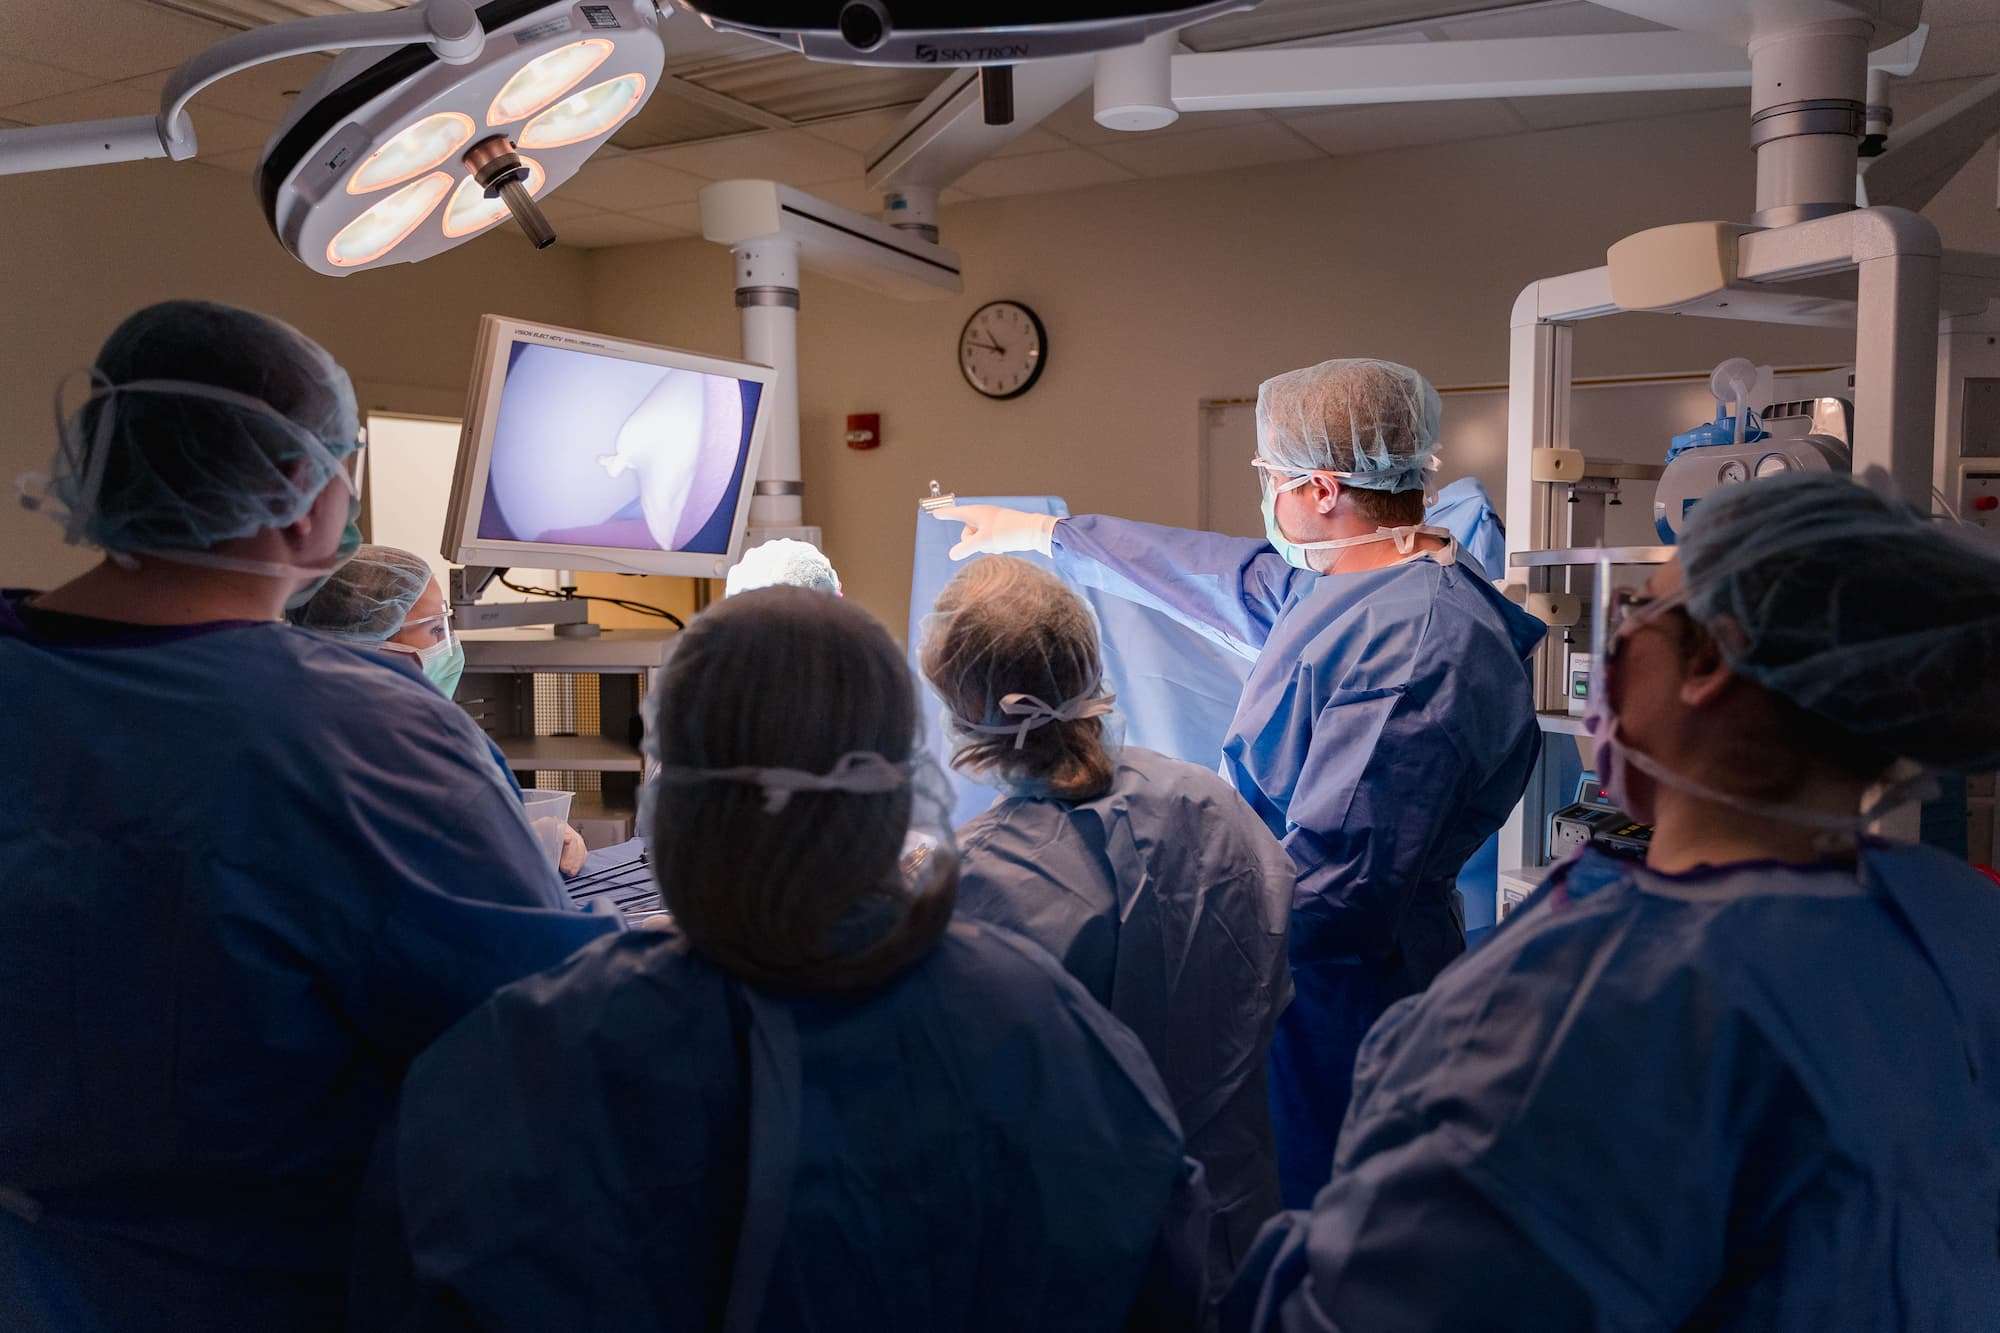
column 1156, row 293
column 82, row 249
column 1160, row 293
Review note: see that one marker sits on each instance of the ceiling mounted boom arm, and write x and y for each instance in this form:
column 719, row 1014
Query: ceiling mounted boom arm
column 450, row 28
column 1495, row 67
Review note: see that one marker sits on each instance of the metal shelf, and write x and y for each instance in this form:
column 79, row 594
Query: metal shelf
column 579, row 754
column 1561, row 722
column 1589, row 555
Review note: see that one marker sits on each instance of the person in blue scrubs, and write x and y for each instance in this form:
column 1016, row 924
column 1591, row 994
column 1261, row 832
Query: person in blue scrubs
column 814, row 1100
column 1146, row 877
column 248, row 873
column 1751, row 1082
column 1387, row 727
column 388, row 600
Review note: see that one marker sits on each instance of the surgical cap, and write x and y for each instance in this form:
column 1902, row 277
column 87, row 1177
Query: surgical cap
column 1002, row 627
column 1375, row 420
column 152, row 468
column 782, row 562
column 368, row 598
column 1860, row 610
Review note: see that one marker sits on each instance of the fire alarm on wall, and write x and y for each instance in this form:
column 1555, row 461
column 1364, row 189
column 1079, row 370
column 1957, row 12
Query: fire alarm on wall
column 864, row 431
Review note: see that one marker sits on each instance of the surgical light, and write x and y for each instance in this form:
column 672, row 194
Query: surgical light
column 410, row 154
column 386, row 224
column 587, row 114
column 545, row 78
column 426, row 103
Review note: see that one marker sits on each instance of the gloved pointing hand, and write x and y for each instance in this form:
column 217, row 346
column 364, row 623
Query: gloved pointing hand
column 991, row 530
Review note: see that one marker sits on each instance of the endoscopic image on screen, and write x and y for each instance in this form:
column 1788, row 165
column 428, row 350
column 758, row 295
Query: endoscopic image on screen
column 594, row 450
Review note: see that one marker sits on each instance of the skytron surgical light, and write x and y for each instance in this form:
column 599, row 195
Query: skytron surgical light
column 412, row 141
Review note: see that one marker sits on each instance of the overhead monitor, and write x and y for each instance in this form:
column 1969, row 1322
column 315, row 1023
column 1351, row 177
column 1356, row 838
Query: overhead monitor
column 586, row 452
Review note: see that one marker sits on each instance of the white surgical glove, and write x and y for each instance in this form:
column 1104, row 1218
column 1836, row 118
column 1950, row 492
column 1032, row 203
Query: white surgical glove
column 991, row 530
column 573, row 852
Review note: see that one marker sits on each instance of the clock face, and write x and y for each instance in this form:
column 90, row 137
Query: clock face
column 1002, row 349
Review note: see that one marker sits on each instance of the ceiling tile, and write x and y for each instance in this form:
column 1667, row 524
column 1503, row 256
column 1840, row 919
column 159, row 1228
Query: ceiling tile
column 25, row 81
column 630, row 182
column 668, row 118
column 1281, row 21
column 1036, row 173
column 1033, row 141
column 266, row 92
column 860, row 132
column 109, row 39
column 611, row 229
column 1369, row 129
column 100, row 102
column 1560, row 112
column 560, row 208
column 792, row 156
column 242, row 161
column 1073, row 122
column 1209, row 150
column 692, row 44
column 802, row 90
column 682, row 218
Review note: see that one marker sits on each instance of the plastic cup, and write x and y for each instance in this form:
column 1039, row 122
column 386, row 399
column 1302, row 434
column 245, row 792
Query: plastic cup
column 548, row 815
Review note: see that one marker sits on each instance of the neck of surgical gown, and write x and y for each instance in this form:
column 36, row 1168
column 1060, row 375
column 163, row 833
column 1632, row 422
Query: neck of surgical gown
column 245, row 876
column 1168, row 900
column 637, row 1141
column 1749, row 1097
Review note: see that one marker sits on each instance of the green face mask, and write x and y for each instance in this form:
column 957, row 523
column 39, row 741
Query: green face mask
column 444, row 670
column 1293, row 553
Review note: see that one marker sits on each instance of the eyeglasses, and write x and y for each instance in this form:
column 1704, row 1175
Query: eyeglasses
column 1633, row 607
column 1273, row 477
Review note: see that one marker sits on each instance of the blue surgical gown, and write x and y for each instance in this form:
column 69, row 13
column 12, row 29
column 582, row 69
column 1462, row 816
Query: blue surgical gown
column 1386, row 730
column 636, row 1141
column 1751, row 1097
column 1463, row 509
column 245, row 876
column 1168, row 900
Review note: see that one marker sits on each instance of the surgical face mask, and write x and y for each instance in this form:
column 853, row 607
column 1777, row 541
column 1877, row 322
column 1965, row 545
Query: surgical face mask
column 1296, row 553
column 442, row 662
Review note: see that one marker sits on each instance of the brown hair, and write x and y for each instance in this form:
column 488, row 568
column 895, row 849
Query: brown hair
column 1389, row 509
column 811, row 896
column 1005, row 627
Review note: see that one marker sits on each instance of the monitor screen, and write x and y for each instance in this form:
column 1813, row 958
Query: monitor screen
column 598, row 454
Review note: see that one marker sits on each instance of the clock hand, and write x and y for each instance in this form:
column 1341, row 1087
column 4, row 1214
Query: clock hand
column 991, row 347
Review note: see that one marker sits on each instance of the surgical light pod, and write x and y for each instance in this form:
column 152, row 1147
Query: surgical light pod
column 558, row 79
